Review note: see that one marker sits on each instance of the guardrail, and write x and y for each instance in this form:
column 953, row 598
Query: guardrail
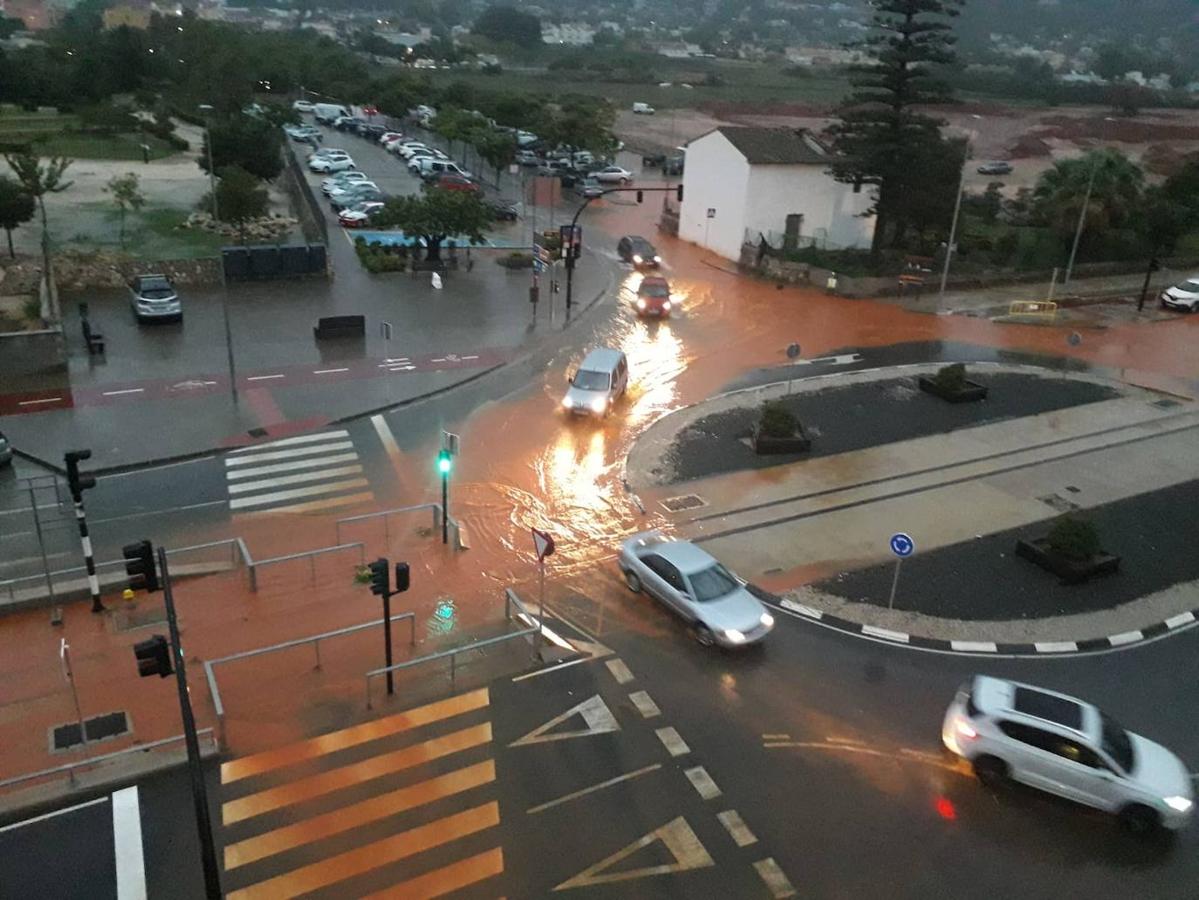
column 510, row 599
column 254, row 564
column 386, row 514
column 211, row 664
column 69, row 768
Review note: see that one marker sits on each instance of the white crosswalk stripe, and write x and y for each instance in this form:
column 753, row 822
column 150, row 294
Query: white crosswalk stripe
column 296, row 474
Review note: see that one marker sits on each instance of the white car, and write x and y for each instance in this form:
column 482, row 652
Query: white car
column 302, row 106
column 414, row 161
column 359, row 214
column 407, row 148
column 1183, row 296
column 341, row 179
column 389, row 137
column 692, row 584
column 1067, row 747
column 326, row 152
column 338, row 196
column 331, row 164
column 612, row 175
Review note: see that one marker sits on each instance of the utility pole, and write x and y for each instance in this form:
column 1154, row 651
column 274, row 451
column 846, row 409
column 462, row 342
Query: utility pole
column 1153, row 267
column 78, row 483
column 953, row 228
column 1082, row 218
column 216, row 218
column 159, row 656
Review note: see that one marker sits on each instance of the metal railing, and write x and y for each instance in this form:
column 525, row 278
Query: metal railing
column 386, row 515
column 71, row 767
column 254, row 564
column 510, row 600
column 211, row 664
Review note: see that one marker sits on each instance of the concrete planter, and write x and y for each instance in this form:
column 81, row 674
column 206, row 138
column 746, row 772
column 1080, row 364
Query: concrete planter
column 1070, row 571
column 767, row 445
column 968, row 393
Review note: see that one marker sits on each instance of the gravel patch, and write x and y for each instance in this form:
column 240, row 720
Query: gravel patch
column 855, row 416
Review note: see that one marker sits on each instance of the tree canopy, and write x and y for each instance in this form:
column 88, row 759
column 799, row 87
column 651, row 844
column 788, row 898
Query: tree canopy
column 17, row 207
column 508, row 25
column 437, row 216
column 1115, row 196
column 251, row 143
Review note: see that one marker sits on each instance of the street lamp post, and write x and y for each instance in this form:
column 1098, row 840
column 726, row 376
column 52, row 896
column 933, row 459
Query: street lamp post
column 953, row 228
column 1082, row 218
column 216, row 218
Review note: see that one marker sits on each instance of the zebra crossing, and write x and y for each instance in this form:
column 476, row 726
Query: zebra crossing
column 404, row 806
column 306, row 473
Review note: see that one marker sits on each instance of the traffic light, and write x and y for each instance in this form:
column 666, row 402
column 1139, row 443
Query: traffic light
column 445, row 462
column 78, row 483
column 139, row 565
column 640, row 196
column 379, row 585
column 679, row 193
column 153, row 657
column 403, row 579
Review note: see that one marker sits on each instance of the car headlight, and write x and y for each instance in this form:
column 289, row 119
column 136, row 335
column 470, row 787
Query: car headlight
column 657, row 259
column 1181, row 804
column 734, row 635
column 640, row 303
column 767, row 619
column 666, row 306
column 599, row 404
column 637, row 258
column 567, row 403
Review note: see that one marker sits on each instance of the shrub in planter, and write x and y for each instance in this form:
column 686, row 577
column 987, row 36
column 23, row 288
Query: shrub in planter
column 779, row 431
column 516, row 260
column 950, row 383
column 1074, row 538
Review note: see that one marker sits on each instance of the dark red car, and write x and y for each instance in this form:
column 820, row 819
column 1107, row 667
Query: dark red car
column 456, row 183
column 653, row 296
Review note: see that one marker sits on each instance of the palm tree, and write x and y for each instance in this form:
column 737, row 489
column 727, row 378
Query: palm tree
column 1116, row 187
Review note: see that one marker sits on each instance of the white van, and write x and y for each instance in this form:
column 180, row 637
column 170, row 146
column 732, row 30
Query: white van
column 326, row 113
column 432, row 168
column 601, row 380
column 643, row 109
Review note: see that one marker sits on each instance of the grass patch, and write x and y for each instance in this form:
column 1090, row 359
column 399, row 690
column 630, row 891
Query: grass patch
column 152, row 234
column 111, row 147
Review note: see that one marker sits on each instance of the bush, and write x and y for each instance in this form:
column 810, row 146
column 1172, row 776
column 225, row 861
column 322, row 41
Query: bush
column 31, row 309
column 177, row 142
column 1074, row 538
column 777, row 421
column 516, row 260
column 951, row 378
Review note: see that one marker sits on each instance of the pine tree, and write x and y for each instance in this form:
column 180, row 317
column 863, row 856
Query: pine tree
column 881, row 137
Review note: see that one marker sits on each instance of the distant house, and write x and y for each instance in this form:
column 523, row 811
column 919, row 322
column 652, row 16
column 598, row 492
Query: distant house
column 134, row 14
column 742, row 183
column 38, row 15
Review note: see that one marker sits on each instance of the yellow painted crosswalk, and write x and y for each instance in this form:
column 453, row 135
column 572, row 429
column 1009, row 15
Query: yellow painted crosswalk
column 402, row 806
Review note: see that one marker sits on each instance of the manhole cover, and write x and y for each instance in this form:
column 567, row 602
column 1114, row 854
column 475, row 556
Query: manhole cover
column 1165, row 403
column 1061, row 504
column 687, row 501
column 99, row 728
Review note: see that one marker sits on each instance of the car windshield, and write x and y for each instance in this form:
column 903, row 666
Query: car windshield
column 642, row 249
column 155, row 289
column 1191, row 286
column 591, row 381
column 712, row 583
column 655, row 290
column 1116, row 743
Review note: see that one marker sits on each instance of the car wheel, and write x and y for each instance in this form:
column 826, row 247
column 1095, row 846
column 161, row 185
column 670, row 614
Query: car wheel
column 631, row 579
column 624, row 181
column 703, row 635
column 991, row 771
column 1140, row 819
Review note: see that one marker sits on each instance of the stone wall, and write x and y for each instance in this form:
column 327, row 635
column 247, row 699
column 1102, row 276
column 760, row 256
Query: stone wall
column 26, row 353
column 75, row 271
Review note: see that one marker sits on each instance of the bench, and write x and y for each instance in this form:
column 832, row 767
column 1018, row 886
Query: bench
column 93, row 339
column 339, row 327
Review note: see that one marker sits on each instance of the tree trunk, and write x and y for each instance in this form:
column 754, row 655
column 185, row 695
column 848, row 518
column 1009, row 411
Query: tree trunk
column 122, row 228
column 11, row 252
column 433, row 251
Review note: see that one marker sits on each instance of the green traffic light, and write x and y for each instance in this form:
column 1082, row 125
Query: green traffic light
column 444, row 462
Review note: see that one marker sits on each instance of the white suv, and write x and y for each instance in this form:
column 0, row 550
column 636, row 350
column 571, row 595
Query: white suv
column 1067, row 747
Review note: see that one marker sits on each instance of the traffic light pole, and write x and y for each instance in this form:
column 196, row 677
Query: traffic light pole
column 391, row 689
column 569, row 257
column 212, row 874
column 445, row 507
column 77, row 486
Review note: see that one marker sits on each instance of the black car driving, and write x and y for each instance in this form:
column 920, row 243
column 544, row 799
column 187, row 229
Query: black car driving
column 632, row 248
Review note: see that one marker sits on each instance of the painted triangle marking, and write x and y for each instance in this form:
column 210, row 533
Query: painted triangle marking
column 679, row 839
column 596, row 716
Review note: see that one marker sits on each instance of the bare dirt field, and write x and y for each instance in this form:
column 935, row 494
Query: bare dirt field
column 1030, row 138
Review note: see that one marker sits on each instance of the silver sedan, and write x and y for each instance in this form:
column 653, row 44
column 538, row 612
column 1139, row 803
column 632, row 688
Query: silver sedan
column 693, row 585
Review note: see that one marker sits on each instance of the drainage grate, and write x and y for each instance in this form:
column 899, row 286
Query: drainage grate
column 1058, row 502
column 99, row 728
column 1165, row 403
column 687, row 501
column 257, row 432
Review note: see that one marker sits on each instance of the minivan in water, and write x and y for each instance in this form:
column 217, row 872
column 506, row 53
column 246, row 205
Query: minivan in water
column 600, row 380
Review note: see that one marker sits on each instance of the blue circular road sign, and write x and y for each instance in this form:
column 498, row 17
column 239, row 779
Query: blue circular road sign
column 902, row 545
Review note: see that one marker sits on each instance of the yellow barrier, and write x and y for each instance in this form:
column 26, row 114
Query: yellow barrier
column 1046, row 308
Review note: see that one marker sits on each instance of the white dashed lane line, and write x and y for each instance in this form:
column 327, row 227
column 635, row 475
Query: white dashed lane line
column 645, row 704
column 672, row 741
column 702, row 782
column 775, row 880
column 736, row 827
column 619, row 671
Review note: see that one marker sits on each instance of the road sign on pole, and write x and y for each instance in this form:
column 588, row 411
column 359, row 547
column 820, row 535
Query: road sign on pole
column 902, row 546
column 544, row 545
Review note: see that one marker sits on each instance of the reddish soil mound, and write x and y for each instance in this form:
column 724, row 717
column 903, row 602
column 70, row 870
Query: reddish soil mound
column 1164, row 159
column 724, row 109
column 1128, row 131
column 1028, row 147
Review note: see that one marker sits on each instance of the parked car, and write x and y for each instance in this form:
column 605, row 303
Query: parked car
column 389, row 137
column 1065, row 746
column 343, row 179
column 432, row 169
column 697, row 588
column 503, row 210
column 417, row 160
column 643, row 109
column 331, row 164
column 407, row 148
column 371, row 131
column 527, row 158
column 358, row 193
column 348, row 123
column 456, row 183
column 635, row 249
column 552, row 167
column 339, row 195
column 600, row 380
column 328, row 153
column 326, row 113
column 359, row 214
column 995, row 168
column 153, row 298
column 613, row 175
column 589, row 187
column 653, row 296
column 526, row 139
column 303, row 133
column 302, row 106
column 1184, row 296
column 5, row 451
